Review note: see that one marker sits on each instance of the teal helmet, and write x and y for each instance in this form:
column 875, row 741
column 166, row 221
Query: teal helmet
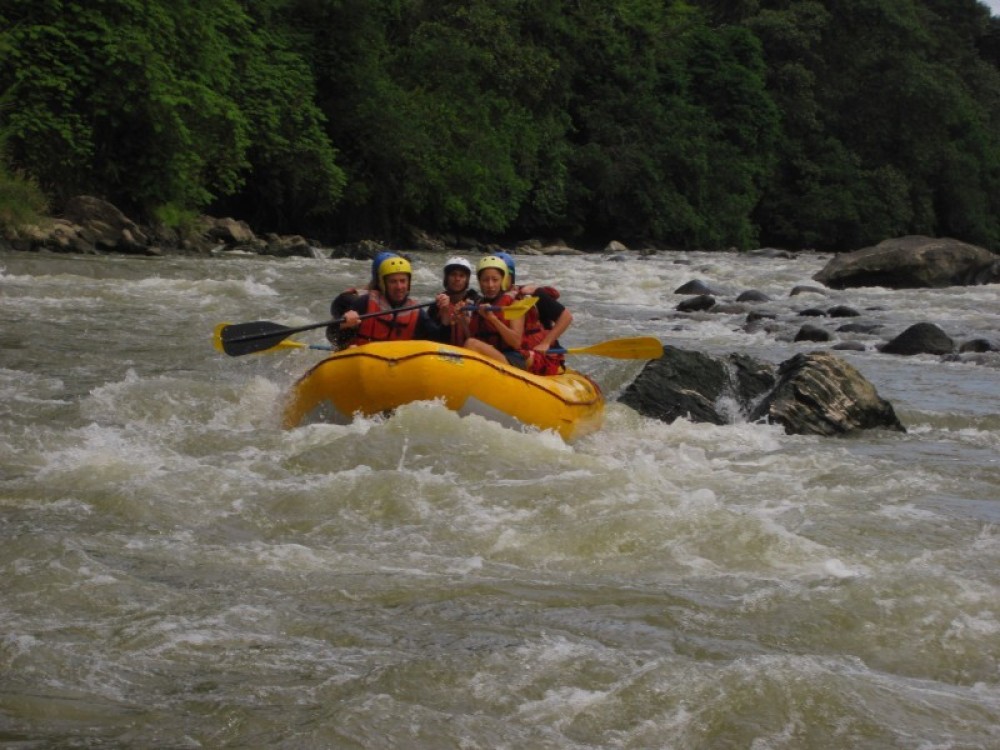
column 380, row 256
column 509, row 260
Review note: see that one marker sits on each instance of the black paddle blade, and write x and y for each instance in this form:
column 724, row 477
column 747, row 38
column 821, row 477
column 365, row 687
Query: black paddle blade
column 247, row 338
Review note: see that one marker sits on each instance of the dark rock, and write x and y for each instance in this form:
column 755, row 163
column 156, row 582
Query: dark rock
column 842, row 311
column 922, row 338
column 797, row 290
column 809, row 332
column 911, row 262
column 820, row 394
column 692, row 385
column 694, row 304
column 849, row 346
column 752, row 295
column 978, row 346
column 812, row 312
column 695, row 287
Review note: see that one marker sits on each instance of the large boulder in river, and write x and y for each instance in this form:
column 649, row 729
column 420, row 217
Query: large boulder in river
column 921, row 338
column 814, row 394
column 820, row 394
column 699, row 387
column 912, row 262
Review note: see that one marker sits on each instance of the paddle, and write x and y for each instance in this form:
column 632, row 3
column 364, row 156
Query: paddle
column 638, row 347
column 260, row 335
column 217, row 342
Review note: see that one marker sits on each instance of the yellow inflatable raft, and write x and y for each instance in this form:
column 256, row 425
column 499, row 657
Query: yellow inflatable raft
column 381, row 376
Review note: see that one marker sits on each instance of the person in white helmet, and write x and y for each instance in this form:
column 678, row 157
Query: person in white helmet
column 457, row 292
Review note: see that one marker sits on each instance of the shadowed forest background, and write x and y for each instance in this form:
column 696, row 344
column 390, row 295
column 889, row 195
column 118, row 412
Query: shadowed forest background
column 700, row 124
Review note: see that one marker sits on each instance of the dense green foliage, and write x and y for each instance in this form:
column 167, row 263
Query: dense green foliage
column 696, row 123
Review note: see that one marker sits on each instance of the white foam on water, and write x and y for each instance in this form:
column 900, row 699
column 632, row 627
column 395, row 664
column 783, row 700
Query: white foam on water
column 443, row 579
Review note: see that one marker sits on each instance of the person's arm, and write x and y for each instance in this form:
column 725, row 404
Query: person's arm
column 430, row 329
column 512, row 332
column 352, row 318
column 552, row 335
column 341, row 303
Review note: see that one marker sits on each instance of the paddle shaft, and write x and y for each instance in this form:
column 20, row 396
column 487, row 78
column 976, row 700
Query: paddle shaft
column 285, row 332
column 261, row 335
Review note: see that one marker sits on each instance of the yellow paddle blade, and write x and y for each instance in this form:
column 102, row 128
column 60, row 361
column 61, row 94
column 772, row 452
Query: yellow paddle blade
column 519, row 309
column 638, row 347
column 217, row 337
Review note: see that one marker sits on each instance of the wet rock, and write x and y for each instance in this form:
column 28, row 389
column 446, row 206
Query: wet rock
column 821, row 394
column 812, row 312
column 921, row 338
column 801, row 289
column 842, row 311
column 753, row 295
column 698, row 387
column 809, row 332
column 849, row 346
column 695, row 286
column 695, row 304
column 912, row 262
column 978, row 346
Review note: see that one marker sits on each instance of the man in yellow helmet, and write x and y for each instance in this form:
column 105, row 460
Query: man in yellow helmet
column 401, row 321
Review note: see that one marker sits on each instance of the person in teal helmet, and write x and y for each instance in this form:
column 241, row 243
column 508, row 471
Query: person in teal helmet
column 552, row 314
column 342, row 337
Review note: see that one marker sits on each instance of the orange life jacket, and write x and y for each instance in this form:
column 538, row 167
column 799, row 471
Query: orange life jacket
column 392, row 326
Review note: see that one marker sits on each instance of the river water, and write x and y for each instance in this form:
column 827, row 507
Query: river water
column 178, row 572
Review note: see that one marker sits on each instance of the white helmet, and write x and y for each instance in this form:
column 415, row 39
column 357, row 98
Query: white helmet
column 457, row 262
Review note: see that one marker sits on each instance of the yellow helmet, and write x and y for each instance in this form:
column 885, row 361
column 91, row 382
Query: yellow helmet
column 395, row 264
column 492, row 261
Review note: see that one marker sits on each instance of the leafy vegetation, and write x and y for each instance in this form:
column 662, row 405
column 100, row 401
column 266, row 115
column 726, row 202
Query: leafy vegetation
column 693, row 123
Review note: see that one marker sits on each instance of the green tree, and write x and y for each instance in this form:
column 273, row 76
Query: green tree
column 151, row 102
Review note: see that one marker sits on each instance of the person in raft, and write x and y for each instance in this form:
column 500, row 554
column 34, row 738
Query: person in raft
column 552, row 314
column 341, row 339
column 491, row 334
column 457, row 292
column 392, row 294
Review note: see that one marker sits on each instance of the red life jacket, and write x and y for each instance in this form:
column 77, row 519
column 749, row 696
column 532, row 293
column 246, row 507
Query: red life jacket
column 390, row 327
column 536, row 362
column 480, row 329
